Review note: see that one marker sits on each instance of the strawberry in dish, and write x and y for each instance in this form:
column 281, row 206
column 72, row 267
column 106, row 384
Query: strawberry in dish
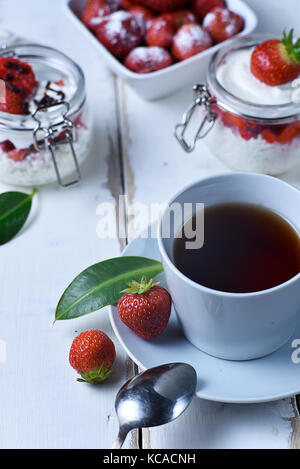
column 160, row 33
column 96, row 10
column 183, row 28
column 222, row 24
column 190, row 40
column 120, row 32
column 142, row 15
column 162, row 5
column 148, row 59
column 201, row 7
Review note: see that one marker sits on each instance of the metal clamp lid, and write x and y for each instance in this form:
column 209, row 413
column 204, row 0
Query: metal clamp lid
column 61, row 133
column 202, row 98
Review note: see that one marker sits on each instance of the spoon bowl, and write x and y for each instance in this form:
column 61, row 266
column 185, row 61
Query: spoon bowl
column 155, row 397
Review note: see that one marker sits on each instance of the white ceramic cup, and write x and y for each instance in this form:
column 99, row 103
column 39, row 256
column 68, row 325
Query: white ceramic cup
column 234, row 326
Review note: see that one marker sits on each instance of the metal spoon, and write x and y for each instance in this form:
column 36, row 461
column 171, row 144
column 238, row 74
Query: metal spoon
column 154, row 397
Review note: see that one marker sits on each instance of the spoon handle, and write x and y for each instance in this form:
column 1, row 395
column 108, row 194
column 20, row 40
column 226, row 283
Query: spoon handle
column 120, row 439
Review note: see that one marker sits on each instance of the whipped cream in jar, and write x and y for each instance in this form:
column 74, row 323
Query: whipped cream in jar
column 50, row 140
column 247, row 124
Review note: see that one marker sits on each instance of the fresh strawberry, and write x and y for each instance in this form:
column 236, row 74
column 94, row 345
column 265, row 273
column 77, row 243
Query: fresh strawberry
column 145, row 308
column 222, row 24
column 202, row 7
column 120, row 33
column 142, row 15
column 96, row 10
column 190, row 40
column 180, row 18
column 148, row 59
column 160, row 33
column 162, row 5
column 277, row 62
column 92, row 355
column 289, row 133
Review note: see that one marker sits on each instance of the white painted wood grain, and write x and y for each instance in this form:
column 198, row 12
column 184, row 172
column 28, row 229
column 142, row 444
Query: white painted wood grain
column 41, row 404
column 156, row 168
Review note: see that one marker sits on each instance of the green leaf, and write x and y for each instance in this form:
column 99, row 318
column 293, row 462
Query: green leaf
column 102, row 284
column 14, row 210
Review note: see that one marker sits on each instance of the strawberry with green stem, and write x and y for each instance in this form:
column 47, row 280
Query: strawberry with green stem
column 145, row 308
column 92, row 355
column 276, row 62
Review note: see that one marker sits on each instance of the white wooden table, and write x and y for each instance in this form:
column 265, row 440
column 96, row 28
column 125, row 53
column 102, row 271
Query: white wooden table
column 134, row 153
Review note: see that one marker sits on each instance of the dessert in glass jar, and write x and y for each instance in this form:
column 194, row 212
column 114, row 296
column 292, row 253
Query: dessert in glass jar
column 45, row 125
column 250, row 107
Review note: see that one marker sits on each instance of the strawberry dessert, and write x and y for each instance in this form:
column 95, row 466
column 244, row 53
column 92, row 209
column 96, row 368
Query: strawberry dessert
column 26, row 100
column 183, row 28
column 261, row 82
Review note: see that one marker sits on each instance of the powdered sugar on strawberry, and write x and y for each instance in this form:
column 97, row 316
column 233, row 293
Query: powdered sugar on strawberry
column 114, row 27
column 148, row 59
column 187, row 38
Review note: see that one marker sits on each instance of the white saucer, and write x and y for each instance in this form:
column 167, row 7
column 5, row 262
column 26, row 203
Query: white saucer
column 267, row 379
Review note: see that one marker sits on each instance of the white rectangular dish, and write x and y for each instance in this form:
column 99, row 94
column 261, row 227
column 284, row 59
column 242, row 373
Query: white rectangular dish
column 163, row 82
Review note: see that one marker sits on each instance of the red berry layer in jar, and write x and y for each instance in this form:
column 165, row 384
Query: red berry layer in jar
column 251, row 128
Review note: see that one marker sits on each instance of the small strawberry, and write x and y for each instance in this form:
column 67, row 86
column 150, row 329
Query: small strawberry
column 222, row 24
column 162, row 5
column 191, row 39
column 145, row 308
column 19, row 155
column 202, row 7
column 160, row 33
column 92, row 355
column 96, row 10
column 142, row 15
column 148, row 59
column 120, row 33
column 180, row 18
column 277, row 62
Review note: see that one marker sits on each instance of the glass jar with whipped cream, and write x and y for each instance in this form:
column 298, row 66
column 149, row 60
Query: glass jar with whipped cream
column 45, row 124
column 247, row 124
